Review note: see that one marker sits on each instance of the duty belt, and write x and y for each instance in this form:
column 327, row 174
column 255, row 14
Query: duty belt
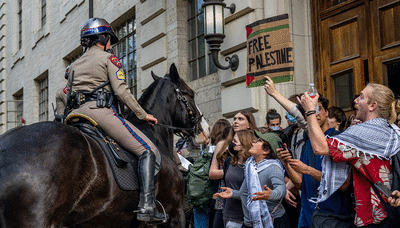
column 103, row 98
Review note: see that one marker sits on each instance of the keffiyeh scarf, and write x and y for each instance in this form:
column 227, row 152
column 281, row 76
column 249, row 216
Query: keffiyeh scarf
column 258, row 210
column 375, row 137
column 333, row 177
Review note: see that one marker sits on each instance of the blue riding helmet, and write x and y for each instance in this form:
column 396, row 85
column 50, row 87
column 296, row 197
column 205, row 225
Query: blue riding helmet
column 98, row 27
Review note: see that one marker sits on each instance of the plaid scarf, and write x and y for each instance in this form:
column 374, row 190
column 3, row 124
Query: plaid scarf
column 258, row 210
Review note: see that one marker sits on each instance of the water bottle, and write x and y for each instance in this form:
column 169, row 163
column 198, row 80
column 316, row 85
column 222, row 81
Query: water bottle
column 312, row 92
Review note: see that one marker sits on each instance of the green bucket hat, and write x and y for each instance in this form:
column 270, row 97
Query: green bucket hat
column 271, row 138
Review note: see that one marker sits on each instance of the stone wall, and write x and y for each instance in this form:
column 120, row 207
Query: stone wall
column 161, row 31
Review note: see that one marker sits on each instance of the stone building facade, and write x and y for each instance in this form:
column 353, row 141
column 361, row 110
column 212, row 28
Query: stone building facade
column 40, row 38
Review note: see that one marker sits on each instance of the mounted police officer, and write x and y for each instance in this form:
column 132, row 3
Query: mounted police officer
column 100, row 72
column 61, row 99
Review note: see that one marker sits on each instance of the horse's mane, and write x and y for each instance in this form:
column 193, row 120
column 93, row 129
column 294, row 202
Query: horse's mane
column 149, row 93
column 142, row 125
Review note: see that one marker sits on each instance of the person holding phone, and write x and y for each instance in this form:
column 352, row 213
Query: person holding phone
column 367, row 147
column 394, row 199
column 262, row 171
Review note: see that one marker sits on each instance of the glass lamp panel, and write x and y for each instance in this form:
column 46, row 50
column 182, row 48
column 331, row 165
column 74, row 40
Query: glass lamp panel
column 219, row 19
column 209, row 21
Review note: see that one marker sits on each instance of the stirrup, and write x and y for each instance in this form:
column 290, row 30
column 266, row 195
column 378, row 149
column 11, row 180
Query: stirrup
column 150, row 219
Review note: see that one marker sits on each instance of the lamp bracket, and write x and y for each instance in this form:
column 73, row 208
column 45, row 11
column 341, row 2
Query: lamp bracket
column 232, row 8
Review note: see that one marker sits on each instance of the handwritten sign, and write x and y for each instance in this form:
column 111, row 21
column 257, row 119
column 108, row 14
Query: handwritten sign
column 269, row 51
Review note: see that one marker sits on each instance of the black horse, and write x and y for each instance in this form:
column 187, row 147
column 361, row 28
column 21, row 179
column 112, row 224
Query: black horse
column 51, row 175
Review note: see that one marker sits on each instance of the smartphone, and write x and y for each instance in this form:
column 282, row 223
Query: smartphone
column 385, row 190
column 280, row 144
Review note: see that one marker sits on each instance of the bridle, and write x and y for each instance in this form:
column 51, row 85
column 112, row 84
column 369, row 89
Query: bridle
column 182, row 132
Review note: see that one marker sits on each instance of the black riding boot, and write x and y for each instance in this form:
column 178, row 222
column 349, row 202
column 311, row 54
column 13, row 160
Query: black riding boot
column 147, row 211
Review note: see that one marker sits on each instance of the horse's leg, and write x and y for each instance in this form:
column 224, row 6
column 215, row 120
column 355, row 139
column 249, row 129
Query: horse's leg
column 170, row 189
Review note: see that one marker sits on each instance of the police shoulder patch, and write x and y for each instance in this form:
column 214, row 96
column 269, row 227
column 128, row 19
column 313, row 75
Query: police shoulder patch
column 115, row 61
column 120, row 75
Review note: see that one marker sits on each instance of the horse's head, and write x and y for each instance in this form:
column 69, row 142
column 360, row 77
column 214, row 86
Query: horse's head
column 171, row 101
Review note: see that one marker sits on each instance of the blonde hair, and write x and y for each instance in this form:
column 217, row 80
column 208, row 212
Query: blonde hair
column 388, row 107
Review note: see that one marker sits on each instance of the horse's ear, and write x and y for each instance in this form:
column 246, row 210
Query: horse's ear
column 154, row 76
column 173, row 73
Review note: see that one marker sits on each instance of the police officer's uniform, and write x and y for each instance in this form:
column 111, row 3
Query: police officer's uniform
column 61, row 100
column 93, row 69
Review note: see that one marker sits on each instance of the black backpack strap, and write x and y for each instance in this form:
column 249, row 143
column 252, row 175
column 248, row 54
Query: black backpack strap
column 304, row 139
column 393, row 212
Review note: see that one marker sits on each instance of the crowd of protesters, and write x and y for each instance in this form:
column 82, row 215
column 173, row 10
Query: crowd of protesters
column 318, row 172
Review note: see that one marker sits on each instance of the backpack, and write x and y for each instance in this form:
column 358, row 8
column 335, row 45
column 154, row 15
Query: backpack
column 200, row 187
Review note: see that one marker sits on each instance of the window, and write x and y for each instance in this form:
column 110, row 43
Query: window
column 19, row 109
column 393, row 72
column 199, row 63
column 125, row 49
column 15, row 110
column 344, row 90
column 44, row 14
column 19, row 24
column 43, row 99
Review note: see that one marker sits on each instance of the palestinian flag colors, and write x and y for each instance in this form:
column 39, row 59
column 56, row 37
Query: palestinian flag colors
column 269, row 51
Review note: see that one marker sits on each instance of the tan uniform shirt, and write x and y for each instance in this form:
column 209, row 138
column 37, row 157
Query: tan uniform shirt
column 61, row 100
column 94, row 68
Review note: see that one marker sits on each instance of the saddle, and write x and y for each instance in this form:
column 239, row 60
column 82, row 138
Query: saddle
column 123, row 164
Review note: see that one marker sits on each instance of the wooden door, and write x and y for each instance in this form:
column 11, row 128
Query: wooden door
column 344, row 51
column 386, row 43
column 355, row 42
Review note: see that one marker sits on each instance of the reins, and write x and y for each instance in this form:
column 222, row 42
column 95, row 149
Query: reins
column 195, row 120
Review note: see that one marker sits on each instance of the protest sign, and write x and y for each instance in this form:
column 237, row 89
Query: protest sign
column 269, row 51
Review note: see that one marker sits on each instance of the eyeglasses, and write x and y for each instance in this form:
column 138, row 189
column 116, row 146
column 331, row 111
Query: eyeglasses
column 258, row 140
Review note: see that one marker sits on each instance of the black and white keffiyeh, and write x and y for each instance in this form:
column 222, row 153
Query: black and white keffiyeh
column 375, row 137
column 258, row 210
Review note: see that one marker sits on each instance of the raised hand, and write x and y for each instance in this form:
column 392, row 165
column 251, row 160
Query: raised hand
column 269, row 86
column 264, row 195
column 226, row 194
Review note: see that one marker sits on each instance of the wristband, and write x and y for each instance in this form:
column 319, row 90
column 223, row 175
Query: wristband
column 309, row 113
